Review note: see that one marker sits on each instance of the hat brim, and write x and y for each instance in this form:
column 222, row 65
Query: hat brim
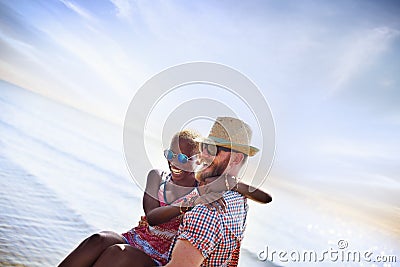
column 245, row 149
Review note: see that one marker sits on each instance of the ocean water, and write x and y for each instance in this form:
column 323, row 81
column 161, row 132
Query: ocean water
column 63, row 177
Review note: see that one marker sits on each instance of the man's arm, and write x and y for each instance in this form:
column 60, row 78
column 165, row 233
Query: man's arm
column 185, row 254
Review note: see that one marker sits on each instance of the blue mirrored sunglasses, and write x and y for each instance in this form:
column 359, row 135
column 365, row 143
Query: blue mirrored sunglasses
column 182, row 158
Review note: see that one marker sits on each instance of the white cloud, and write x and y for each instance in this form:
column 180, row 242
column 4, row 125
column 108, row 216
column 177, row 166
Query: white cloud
column 123, row 8
column 77, row 9
column 358, row 149
column 360, row 52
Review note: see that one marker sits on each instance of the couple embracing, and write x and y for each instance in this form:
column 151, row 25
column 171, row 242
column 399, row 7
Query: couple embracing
column 192, row 218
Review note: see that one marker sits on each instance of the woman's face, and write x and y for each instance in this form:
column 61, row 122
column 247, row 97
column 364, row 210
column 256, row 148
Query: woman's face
column 180, row 170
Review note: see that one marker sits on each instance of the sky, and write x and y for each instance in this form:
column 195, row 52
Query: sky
column 328, row 69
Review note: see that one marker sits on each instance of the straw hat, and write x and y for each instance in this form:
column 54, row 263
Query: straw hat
column 231, row 133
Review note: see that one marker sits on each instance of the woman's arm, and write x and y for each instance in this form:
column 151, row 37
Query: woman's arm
column 252, row 193
column 150, row 197
column 162, row 214
column 223, row 183
column 151, row 206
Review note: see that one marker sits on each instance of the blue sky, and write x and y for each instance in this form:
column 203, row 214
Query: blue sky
column 329, row 69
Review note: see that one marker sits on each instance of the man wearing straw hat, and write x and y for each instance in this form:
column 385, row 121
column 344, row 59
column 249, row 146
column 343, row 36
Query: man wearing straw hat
column 208, row 237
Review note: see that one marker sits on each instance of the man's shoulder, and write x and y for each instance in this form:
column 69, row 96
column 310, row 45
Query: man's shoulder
column 233, row 195
column 232, row 199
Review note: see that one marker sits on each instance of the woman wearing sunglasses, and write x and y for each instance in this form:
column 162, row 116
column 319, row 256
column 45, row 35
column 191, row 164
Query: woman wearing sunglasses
column 166, row 199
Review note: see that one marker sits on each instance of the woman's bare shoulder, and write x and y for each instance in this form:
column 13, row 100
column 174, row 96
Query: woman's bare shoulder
column 157, row 174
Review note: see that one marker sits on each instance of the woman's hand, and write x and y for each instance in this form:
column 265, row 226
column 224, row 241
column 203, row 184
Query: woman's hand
column 218, row 184
column 212, row 200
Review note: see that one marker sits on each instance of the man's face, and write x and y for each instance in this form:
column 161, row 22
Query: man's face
column 215, row 165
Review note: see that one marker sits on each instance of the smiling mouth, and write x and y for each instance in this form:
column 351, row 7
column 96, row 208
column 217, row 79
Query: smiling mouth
column 175, row 170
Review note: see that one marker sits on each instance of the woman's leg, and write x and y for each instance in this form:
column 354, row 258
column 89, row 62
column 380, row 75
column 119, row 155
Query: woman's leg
column 91, row 248
column 122, row 255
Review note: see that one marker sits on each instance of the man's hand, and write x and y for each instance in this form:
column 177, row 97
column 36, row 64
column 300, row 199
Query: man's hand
column 185, row 254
